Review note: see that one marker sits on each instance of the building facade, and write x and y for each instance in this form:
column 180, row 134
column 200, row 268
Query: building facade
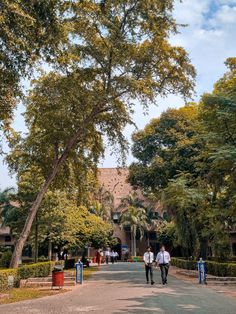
column 114, row 180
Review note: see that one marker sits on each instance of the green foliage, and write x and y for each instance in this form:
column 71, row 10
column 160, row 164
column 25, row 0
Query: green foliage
column 187, row 159
column 182, row 263
column 213, row 268
column 24, row 272
column 136, row 259
column 134, row 218
column 6, row 199
column 5, row 259
column 29, row 30
column 182, row 201
column 4, row 273
column 34, row 270
column 115, row 54
column 164, row 148
column 167, row 235
column 62, row 222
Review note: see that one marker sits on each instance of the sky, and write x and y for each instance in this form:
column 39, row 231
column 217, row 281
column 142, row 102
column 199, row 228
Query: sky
column 209, row 38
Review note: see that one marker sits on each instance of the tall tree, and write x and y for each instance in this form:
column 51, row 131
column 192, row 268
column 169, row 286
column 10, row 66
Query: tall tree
column 118, row 53
column 218, row 166
column 165, row 147
column 29, row 30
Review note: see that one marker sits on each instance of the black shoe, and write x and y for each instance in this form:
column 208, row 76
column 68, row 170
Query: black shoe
column 147, row 282
column 152, row 283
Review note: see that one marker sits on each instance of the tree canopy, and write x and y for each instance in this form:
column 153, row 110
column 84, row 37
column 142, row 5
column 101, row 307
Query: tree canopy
column 29, row 30
column 186, row 158
column 116, row 52
column 164, row 148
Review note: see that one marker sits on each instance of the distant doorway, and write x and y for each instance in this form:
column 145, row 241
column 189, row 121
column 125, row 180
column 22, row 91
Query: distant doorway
column 117, row 247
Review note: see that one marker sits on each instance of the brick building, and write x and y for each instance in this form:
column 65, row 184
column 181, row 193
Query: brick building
column 114, row 180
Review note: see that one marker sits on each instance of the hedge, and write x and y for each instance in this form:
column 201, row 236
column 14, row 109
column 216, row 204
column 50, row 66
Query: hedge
column 135, row 259
column 213, row 268
column 42, row 269
column 4, row 273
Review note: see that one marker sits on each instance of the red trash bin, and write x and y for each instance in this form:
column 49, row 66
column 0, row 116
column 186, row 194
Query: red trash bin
column 57, row 278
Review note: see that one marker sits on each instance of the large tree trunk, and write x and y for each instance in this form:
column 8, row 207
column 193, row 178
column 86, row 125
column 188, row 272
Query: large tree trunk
column 36, row 204
column 36, row 246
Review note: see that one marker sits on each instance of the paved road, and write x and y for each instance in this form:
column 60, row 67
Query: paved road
column 121, row 288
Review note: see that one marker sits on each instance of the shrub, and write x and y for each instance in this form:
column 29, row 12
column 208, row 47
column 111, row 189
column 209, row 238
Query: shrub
column 4, row 274
column 213, row 268
column 186, row 264
column 35, row 270
column 137, row 258
column 5, row 259
column 26, row 271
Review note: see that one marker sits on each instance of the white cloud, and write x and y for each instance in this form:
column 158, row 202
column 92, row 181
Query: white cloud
column 209, row 37
column 226, row 15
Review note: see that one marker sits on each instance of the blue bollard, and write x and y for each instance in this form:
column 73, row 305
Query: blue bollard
column 79, row 272
column 201, row 266
column 81, row 266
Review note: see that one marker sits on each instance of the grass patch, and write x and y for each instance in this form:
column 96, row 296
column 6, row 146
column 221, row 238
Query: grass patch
column 21, row 294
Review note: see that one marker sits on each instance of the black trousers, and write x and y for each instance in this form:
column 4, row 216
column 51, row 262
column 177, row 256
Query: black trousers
column 164, row 272
column 149, row 269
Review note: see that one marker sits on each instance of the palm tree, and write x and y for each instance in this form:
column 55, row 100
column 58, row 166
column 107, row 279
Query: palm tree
column 134, row 218
column 103, row 204
column 131, row 200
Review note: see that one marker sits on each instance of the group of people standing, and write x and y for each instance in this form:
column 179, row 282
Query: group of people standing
column 110, row 256
column 162, row 260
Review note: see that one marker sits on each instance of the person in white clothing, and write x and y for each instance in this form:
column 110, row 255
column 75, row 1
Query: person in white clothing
column 116, row 256
column 163, row 261
column 113, row 255
column 107, row 256
column 148, row 259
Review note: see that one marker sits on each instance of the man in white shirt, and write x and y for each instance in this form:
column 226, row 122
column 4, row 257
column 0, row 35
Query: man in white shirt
column 148, row 259
column 107, row 256
column 116, row 256
column 163, row 260
column 113, row 256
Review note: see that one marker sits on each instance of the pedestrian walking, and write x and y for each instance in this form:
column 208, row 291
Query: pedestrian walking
column 148, row 259
column 116, row 256
column 99, row 257
column 107, row 256
column 163, row 261
column 113, row 256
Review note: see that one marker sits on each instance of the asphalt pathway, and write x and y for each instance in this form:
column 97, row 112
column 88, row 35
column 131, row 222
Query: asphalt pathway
column 121, row 288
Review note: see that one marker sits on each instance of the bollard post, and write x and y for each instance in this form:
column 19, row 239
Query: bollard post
column 77, row 272
column 201, row 266
column 81, row 272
